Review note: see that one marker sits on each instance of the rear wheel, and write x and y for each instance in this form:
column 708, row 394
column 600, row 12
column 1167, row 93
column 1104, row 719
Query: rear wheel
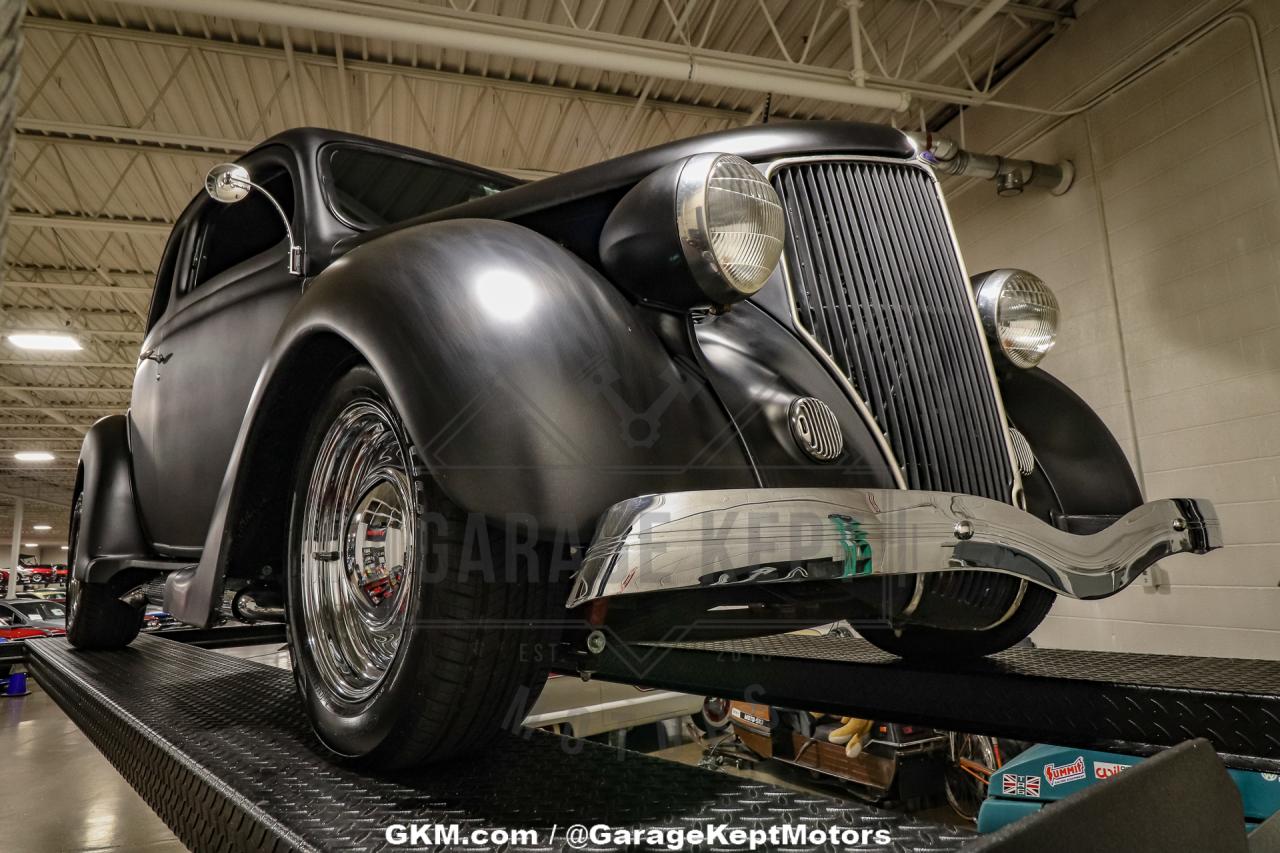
column 405, row 649
column 96, row 617
column 1028, row 606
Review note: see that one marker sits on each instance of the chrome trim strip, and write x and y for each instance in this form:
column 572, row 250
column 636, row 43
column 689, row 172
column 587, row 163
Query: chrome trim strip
column 686, row 540
column 1016, row 489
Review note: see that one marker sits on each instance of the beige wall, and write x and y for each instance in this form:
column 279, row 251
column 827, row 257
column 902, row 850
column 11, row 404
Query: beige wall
column 1165, row 256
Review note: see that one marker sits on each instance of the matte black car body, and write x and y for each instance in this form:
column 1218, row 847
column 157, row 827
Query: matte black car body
column 589, row 399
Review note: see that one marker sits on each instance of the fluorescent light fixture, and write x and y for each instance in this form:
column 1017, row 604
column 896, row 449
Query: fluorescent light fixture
column 63, row 547
column 30, row 544
column 33, row 456
column 36, row 340
column 42, row 527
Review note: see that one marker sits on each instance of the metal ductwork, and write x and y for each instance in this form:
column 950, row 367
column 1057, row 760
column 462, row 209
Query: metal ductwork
column 1012, row 176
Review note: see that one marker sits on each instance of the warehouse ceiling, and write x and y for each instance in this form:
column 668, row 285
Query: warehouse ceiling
column 122, row 108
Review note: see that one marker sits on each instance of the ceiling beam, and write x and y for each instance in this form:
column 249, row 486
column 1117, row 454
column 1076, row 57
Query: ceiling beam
column 88, row 134
column 520, row 39
column 1019, row 10
column 12, row 496
column 65, row 365
column 961, row 38
column 114, row 138
column 84, row 222
column 66, row 389
column 130, row 335
column 412, row 72
column 60, row 408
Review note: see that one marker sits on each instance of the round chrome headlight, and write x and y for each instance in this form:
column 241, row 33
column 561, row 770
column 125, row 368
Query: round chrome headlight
column 730, row 223
column 1019, row 313
column 703, row 230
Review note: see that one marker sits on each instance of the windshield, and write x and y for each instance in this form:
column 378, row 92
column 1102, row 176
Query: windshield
column 39, row 609
column 369, row 188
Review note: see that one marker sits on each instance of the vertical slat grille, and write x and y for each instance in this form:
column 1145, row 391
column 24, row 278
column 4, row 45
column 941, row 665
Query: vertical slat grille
column 877, row 284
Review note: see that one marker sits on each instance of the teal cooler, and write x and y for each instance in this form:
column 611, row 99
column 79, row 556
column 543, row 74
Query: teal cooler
column 1046, row 773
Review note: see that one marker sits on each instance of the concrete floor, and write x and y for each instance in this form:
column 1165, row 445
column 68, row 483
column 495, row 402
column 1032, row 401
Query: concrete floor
column 60, row 794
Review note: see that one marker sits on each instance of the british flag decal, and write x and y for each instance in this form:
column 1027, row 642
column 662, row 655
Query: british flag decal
column 1021, row 786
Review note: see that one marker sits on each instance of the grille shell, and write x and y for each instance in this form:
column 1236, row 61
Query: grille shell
column 876, row 285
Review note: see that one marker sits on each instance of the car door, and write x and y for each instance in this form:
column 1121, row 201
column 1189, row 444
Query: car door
column 231, row 291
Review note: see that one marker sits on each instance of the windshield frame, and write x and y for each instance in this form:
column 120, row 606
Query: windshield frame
column 325, row 176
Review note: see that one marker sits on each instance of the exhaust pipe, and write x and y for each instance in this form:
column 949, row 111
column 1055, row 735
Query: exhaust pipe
column 257, row 605
column 1011, row 175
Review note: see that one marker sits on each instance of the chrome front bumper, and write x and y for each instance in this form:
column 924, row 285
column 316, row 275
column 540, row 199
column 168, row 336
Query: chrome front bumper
column 679, row 540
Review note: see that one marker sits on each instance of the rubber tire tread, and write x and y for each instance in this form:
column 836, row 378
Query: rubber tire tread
column 470, row 676
column 103, row 621
column 922, row 642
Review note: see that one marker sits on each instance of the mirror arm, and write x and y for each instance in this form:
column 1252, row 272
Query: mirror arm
column 295, row 251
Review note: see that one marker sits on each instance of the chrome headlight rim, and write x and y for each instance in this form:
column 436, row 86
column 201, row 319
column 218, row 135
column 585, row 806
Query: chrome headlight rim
column 989, row 289
column 693, row 225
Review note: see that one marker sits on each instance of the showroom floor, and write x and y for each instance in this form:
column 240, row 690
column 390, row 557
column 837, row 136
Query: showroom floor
column 62, row 794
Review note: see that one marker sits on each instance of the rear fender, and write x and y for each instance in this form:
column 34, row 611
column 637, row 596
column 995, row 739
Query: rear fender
column 110, row 527
column 531, row 389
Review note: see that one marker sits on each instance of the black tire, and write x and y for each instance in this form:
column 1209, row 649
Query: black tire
column 96, row 617
column 472, row 659
column 919, row 641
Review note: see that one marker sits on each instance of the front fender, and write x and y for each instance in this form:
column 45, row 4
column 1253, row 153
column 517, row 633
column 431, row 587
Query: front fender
column 111, row 533
column 530, row 387
column 1081, row 471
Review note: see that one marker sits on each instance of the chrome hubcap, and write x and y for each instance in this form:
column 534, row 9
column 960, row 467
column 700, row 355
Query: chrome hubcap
column 357, row 566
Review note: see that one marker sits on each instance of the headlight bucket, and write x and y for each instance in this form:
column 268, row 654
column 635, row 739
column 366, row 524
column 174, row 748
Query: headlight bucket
column 1019, row 314
column 707, row 229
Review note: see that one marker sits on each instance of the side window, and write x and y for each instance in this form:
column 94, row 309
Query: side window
column 227, row 234
column 164, row 277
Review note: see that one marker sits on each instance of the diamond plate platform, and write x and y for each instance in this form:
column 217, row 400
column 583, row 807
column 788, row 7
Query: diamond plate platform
column 1136, row 703
column 219, row 747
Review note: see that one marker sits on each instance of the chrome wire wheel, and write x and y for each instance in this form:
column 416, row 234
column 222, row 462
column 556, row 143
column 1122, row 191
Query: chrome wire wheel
column 356, row 548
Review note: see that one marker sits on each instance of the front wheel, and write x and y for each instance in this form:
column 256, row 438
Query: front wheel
column 407, row 646
column 96, row 617
column 1031, row 603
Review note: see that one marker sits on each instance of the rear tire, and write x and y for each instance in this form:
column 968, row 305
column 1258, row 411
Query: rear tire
column 923, row 642
column 404, row 650
column 96, row 617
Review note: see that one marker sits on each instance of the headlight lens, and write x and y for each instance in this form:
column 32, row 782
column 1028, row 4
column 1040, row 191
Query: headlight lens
column 1019, row 313
column 731, row 225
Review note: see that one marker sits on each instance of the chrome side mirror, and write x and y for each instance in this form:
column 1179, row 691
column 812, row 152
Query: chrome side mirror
column 230, row 182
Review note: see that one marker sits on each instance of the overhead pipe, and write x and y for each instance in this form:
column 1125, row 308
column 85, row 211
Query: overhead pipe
column 602, row 51
column 1011, row 175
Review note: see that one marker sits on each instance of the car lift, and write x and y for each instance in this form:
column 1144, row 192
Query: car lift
column 219, row 746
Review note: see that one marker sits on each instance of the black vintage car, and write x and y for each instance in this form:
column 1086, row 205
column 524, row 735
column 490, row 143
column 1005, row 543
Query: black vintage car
column 441, row 421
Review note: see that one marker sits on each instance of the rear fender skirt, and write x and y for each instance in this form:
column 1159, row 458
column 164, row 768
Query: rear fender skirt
column 110, row 528
column 532, row 390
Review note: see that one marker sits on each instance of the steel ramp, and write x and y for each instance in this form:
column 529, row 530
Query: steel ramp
column 219, row 747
